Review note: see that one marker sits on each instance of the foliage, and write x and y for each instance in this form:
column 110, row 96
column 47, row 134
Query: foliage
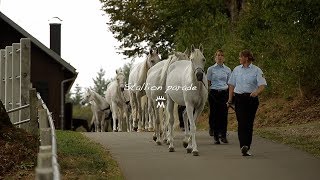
column 82, row 112
column 77, row 95
column 283, row 35
column 100, row 84
column 126, row 70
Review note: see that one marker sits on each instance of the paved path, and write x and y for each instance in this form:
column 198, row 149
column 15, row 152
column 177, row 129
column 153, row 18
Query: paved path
column 141, row 159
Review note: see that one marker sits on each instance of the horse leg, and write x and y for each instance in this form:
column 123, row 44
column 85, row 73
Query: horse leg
column 191, row 147
column 133, row 102
column 114, row 116
column 139, row 112
column 157, row 123
column 170, row 107
column 151, row 112
column 150, row 117
column 92, row 125
column 126, row 116
column 120, row 119
column 186, row 139
column 96, row 122
column 103, row 122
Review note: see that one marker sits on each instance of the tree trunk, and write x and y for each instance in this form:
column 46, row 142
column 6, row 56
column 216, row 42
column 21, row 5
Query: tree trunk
column 234, row 7
column 4, row 118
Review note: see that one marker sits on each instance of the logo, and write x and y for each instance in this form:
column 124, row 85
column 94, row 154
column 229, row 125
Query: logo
column 160, row 100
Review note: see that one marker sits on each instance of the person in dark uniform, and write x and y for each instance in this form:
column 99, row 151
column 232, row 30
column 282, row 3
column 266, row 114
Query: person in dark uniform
column 218, row 76
column 181, row 110
column 245, row 84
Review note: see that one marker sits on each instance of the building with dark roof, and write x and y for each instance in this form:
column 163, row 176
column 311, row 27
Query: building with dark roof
column 50, row 74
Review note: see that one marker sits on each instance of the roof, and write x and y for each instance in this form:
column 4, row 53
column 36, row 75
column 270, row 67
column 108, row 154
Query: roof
column 50, row 52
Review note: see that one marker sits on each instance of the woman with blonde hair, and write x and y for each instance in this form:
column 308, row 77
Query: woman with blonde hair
column 218, row 76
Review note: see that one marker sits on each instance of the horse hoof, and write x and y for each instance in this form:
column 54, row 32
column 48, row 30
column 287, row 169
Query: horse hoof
column 158, row 143
column 185, row 144
column 150, row 129
column 154, row 138
column 140, row 130
column 135, row 128
column 189, row 150
column 115, row 130
column 171, row 149
column 195, row 153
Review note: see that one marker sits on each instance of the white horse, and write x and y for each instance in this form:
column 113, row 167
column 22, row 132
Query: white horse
column 187, row 86
column 136, row 85
column 108, row 117
column 98, row 108
column 156, row 78
column 115, row 96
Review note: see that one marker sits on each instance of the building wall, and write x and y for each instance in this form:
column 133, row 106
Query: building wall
column 46, row 73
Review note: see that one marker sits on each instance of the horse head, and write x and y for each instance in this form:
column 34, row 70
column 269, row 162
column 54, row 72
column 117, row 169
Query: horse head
column 181, row 55
column 152, row 58
column 120, row 78
column 86, row 97
column 198, row 60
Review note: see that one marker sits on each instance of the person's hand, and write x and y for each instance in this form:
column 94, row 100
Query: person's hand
column 229, row 103
column 254, row 94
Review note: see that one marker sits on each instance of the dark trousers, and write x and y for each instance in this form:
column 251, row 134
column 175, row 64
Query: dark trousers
column 246, row 108
column 218, row 118
column 180, row 114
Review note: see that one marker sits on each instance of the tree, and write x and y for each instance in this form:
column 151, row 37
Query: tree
column 142, row 23
column 126, row 70
column 100, row 84
column 77, row 95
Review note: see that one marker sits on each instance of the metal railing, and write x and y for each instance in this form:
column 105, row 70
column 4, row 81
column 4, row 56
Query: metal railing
column 48, row 167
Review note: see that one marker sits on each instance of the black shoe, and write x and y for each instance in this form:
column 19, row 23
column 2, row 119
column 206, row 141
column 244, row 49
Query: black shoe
column 224, row 140
column 216, row 140
column 244, row 151
column 210, row 132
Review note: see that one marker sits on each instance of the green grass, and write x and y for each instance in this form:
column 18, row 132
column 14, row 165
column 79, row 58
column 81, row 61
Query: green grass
column 305, row 137
column 81, row 158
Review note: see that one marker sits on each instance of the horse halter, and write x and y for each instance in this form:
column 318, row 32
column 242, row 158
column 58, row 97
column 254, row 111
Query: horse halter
column 202, row 72
column 197, row 69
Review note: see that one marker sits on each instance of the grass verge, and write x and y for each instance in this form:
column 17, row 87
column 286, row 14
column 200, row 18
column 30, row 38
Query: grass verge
column 304, row 136
column 81, row 158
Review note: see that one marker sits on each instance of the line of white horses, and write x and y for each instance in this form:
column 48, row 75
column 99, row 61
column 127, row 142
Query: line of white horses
column 127, row 106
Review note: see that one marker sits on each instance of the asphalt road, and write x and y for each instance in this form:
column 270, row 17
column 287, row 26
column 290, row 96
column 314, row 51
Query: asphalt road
column 141, row 159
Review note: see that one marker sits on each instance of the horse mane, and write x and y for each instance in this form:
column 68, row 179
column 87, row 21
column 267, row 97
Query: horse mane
column 144, row 69
column 176, row 56
column 164, row 70
column 99, row 98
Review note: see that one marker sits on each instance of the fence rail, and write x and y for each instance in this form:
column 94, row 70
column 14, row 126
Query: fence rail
column 48, row 167
column 25, row 106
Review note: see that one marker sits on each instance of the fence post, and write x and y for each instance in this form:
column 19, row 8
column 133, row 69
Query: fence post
column 16, row 93
column 43, row 119
column 45, row 137
column 2, row 74
column 33, row 124
column 25, row 68
column 8, row 82
column 44, row 173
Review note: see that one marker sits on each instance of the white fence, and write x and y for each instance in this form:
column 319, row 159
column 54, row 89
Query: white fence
column 15, row 65
column 25, row 107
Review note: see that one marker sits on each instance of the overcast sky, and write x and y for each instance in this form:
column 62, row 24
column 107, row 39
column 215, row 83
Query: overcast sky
column 86, row 42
